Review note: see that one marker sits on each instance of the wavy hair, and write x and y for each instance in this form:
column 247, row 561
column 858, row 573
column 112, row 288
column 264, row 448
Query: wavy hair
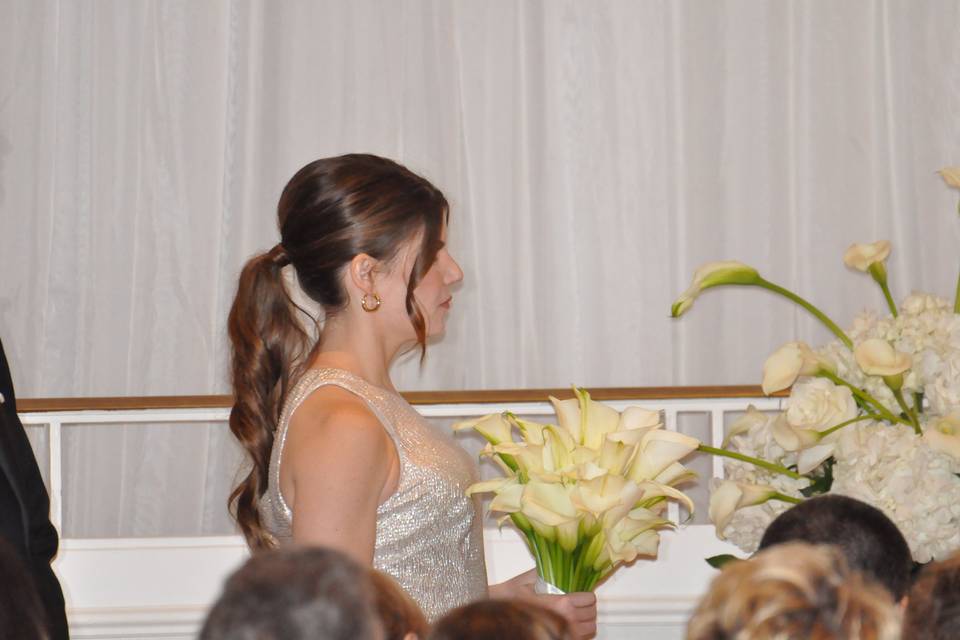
column 794, row 591
column 332, row 210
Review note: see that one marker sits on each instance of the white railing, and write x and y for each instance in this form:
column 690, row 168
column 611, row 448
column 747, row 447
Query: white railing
column 160, row 587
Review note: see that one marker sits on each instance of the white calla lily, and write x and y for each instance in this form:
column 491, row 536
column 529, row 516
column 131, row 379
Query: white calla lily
column 786, row 364
column 792, row 438
column 752, row 418
column 812, row 457
column 944, row 434
column 489, row 485
column 862, row 256
column 568, row 415
column 639, row 418
column 615, row 455
column 713, row 274
column 951, row 175
column 600, row 493
column 658, row 450
column 877, row 357
column 532, row 432
column 596, row 420
column 729, row 496
column 494, row 427
column 675, row 474
column 655, row 493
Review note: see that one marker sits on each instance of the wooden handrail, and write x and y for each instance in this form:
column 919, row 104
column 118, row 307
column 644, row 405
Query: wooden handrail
column 35, row 405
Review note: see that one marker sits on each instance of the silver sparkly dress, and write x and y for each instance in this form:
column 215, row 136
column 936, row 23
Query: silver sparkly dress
column 428, row 533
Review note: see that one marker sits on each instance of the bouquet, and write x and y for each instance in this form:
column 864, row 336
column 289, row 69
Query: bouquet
column 588, row 493
column 874, row 415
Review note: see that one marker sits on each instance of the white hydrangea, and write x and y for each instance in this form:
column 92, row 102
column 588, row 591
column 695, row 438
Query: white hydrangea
column 748, row 524
column 885, row 465
column 891, row 468
column 927, row 329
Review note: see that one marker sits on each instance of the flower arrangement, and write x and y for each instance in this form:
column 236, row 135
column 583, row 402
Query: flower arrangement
column 874, row 414
column 589, row 493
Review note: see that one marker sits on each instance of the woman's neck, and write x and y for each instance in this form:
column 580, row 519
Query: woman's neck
column 359, row 352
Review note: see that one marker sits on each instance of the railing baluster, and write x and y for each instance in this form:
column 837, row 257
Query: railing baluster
column 56, row 474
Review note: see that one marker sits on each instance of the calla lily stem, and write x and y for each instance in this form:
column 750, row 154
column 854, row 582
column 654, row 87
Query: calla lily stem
column 907, row 410
column 770, row 466
column 785, row 498
column 786, row 293
column 879, row 273
column 890, row 302
column 956, row 297
column 837, row 427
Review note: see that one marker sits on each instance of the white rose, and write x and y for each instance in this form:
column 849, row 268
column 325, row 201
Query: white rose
column 861, row 256
column 819, row 404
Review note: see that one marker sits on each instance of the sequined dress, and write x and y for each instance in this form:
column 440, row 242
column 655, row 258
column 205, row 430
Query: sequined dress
column 428, row 533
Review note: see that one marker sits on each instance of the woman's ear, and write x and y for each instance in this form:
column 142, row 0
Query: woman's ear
column 362, row 270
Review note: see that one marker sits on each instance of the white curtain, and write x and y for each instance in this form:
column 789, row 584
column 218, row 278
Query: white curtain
column 595, row 153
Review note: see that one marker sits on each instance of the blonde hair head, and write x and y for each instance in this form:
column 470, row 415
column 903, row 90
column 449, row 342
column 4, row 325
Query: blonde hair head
column 794, row 591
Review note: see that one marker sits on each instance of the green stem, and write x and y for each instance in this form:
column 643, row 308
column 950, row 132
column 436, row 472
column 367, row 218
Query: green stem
column 782, row 497
column 903, row 405
column 868, row 416
column 786, row 293
column 535, row 550
column 770, row 466
column 956, row 297
column 863, row 395
column 890, row 302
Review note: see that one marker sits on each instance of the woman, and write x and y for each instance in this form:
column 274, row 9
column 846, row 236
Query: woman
column 331, row 441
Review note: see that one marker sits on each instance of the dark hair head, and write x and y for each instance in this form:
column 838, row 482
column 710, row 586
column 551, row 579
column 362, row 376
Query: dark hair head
column 933, row 608
column 21, row 611
column 501, row 619
column 869, row 540
column 398, row 612
column 295, row 594
column 331, row 211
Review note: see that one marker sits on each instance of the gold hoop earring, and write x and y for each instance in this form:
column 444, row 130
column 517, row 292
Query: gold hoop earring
column 367, row 305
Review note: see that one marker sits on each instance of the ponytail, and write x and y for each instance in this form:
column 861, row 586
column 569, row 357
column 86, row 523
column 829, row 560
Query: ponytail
column 268, row 345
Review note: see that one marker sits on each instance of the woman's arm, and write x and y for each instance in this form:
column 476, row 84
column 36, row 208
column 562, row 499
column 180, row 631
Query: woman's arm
column 340, row 464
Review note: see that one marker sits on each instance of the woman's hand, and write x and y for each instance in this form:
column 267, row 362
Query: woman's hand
column 580, row 609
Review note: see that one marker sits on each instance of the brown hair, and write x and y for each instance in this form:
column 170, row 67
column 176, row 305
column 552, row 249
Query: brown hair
column 933, row 606
column 794, row 591
column 332, row 210
column 502, row 619
column 398, row 612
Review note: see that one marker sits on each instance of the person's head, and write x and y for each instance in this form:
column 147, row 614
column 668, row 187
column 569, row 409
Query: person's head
column 295, row 594
column 401, row 617
column 366, row 238
column 488, row 619
column 21, row 611
column 933, row 605
column 794, row 591
column 870, row 541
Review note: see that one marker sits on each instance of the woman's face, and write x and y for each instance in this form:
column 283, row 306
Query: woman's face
column 433, row 292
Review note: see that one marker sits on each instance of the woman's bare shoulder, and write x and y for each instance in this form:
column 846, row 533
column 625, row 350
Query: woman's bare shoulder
column 332, row 419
